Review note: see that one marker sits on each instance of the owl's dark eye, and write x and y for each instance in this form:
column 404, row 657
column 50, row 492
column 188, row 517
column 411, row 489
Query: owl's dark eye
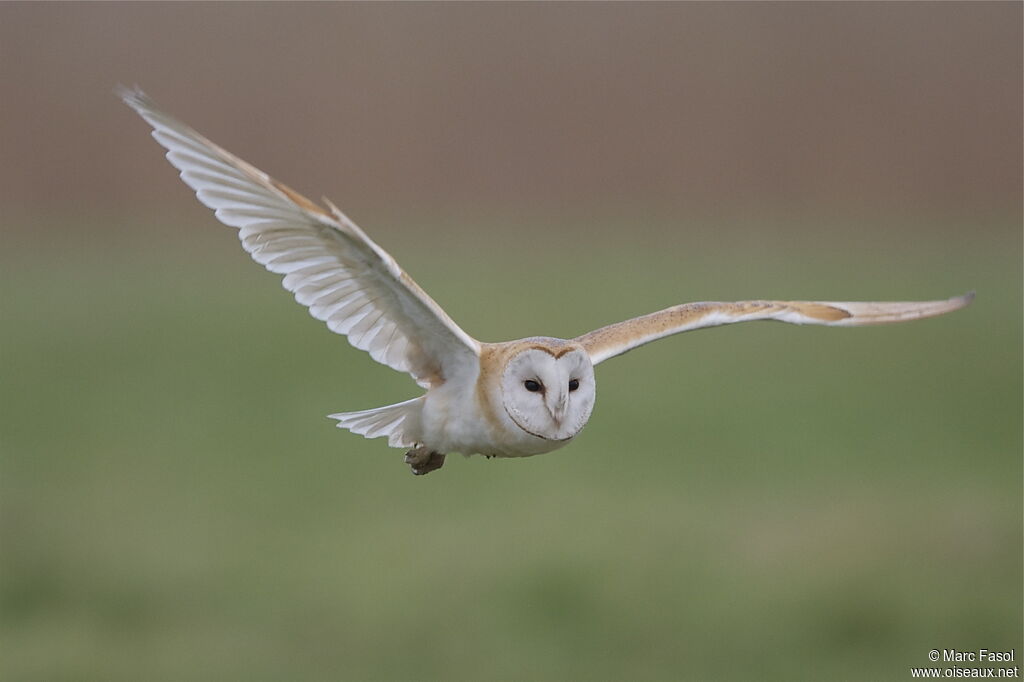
column 531, row 385
column 574, row 384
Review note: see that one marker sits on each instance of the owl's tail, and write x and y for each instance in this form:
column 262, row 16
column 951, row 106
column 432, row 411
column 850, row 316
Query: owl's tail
column 399, row 422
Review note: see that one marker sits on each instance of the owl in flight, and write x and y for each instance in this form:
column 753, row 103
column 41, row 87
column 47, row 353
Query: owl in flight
column 511, row 399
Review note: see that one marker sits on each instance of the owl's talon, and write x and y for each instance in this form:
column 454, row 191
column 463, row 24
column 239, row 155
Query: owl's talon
column 423, row 460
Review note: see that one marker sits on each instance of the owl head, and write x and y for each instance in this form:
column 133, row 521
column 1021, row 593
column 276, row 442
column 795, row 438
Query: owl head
column 548, row 389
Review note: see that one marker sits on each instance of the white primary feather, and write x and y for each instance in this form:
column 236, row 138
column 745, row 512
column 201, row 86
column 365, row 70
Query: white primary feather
column 330, row 265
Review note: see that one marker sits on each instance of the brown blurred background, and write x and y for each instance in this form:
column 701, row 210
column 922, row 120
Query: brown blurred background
column 718, row 108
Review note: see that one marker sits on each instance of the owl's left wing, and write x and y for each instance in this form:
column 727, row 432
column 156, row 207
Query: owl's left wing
column 616, row 339
column 330, row 264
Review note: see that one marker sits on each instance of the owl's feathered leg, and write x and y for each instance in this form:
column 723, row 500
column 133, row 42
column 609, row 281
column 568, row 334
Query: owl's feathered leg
column 423, row 460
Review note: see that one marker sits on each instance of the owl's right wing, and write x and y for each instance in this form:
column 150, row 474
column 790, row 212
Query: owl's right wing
column 616, row 339
column 330, row 264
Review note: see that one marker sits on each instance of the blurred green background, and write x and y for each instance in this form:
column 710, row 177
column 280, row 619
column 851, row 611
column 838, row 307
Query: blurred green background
column 750, row 502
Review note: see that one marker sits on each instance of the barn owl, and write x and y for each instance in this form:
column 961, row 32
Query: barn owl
column 511, row 399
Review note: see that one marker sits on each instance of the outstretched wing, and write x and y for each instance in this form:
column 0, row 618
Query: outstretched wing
column 616, row 339
column 330, row 265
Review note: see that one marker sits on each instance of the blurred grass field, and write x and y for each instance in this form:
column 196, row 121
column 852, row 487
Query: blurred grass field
column 758, row 501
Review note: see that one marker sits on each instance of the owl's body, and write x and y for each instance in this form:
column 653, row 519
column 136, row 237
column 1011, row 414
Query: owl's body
column 464, row 416
column 512, row 399
column 471, row 412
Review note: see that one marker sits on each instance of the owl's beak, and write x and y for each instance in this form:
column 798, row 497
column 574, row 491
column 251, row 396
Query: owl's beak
column 558, row 403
